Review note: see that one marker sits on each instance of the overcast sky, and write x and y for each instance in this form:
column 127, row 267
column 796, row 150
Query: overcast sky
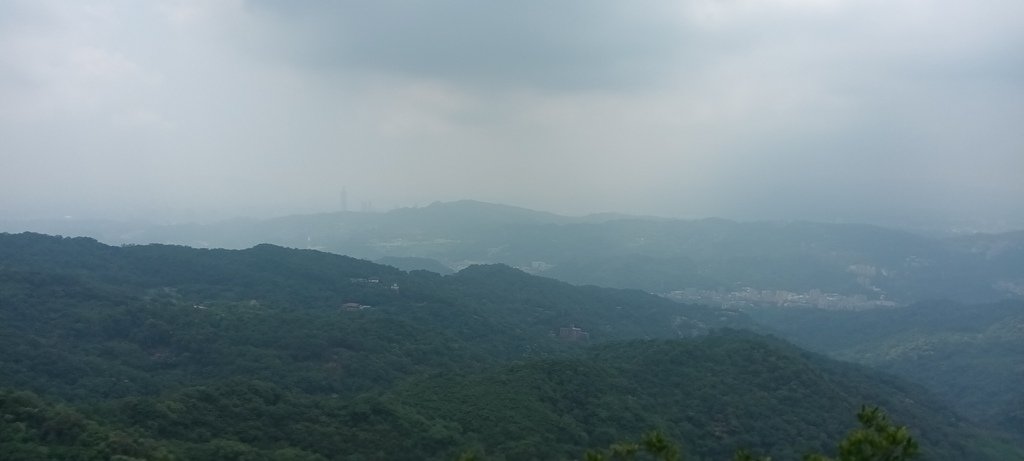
column 789, row 109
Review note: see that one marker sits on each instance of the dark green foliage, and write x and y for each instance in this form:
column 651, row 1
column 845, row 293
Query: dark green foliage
column 875, row 440
column 969, row 355
column 721, row 393
column 34, row 429
column 653, row 444
column 165, row 352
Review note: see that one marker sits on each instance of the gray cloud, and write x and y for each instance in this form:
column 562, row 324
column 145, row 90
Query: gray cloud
column 559, row 45
column 751, row 109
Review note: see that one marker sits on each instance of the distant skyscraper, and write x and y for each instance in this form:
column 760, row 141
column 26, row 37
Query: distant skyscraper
column 344, row 199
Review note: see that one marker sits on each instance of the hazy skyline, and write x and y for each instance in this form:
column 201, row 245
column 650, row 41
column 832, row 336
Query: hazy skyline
column 770, row 109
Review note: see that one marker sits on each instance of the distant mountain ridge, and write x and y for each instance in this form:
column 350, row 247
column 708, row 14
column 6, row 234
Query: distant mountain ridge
column 708, row 261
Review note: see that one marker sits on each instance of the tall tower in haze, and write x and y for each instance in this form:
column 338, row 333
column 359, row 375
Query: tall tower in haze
column 344, row 199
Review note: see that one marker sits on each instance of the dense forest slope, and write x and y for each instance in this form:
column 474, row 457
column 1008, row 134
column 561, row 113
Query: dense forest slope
column 970, row 355
column 703, row 260
column 162, row 352
column 718, row 394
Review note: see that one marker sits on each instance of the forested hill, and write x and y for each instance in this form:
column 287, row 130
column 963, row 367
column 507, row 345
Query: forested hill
column 971, row 355
column 503, row 301
column 164, row 352
column 305, row 308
